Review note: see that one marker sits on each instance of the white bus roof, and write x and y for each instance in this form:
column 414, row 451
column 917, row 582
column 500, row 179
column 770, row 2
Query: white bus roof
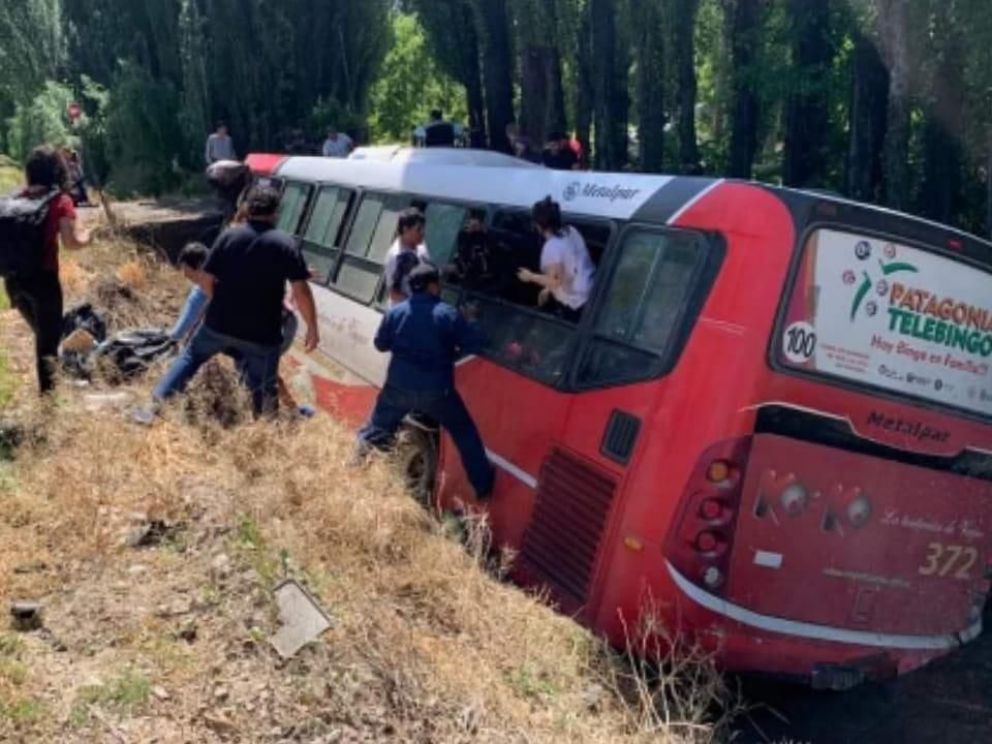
column 439, row 156
column 502, row 180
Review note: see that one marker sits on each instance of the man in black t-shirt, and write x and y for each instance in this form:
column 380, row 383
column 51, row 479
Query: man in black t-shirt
column 245, row 277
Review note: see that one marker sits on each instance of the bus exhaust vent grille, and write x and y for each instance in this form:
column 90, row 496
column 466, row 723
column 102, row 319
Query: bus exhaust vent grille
column 562, row 541
column 620, row 437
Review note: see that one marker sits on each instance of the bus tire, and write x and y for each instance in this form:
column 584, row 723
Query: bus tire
column 417, row 454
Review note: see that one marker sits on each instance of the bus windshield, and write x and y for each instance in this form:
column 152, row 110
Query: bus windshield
column 893, row 317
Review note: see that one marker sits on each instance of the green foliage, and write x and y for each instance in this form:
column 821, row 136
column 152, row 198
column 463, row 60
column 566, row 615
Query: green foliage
column 32, row 49
column 410, row 85
column 142, row 137
column 40, row 120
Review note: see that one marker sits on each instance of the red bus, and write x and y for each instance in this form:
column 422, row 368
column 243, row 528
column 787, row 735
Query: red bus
column 774, row 418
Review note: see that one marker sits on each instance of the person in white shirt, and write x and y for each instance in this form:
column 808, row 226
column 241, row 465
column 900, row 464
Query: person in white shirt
column 406, row 254
column 220, row 146
column 337, row 145
column 567, row 271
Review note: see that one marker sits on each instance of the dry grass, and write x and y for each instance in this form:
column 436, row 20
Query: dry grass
column 168, row 643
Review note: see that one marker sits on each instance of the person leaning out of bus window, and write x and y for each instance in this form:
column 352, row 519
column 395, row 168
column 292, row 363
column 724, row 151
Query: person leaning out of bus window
column 567, row 271
column 406, row 254
column 426, row 336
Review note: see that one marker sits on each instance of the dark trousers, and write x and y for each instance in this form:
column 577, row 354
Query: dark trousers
column 38, row 298
column 257, row 365
column 448, row 409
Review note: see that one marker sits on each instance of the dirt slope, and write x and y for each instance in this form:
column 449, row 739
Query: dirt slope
column 168, row 642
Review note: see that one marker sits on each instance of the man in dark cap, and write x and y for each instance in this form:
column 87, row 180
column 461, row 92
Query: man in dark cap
column 426, row 336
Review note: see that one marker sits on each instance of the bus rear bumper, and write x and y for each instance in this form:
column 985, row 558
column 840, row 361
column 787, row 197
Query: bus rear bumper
column 826, row 657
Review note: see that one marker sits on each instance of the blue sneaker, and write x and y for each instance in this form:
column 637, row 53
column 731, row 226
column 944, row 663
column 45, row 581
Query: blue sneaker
column 307, row 412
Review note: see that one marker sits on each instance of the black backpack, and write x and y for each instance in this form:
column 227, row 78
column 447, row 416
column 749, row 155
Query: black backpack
column 22, row 233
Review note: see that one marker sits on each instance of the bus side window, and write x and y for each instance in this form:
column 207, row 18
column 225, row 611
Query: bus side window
column 358, row 276
column 444, row 224
column 517, row 244
column 644, row 307
column 322, row 236
column 292, row 206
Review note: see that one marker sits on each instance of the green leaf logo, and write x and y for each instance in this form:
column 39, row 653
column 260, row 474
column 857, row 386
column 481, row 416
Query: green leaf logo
column 888, row 269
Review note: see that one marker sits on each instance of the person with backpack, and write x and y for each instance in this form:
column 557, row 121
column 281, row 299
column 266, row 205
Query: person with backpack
column 33, row 222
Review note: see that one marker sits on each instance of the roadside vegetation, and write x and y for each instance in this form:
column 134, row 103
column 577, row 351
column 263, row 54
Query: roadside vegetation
column 165, row 636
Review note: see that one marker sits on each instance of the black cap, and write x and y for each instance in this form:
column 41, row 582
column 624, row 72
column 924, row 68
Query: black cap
column 424, row 276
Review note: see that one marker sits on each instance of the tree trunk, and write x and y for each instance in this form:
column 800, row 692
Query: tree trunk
column 585, row 95
column 745, row 28
column 869, row 109
column 542, row 95
column 497, row 69
column 894, row 31
column 807, row 115
column 943, row 133
column 471, row 78
column 988, row 190
column 650, row 51
column 542, row 98
column 684, row 14
column 609, row 87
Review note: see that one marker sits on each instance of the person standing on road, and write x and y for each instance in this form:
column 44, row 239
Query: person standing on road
column 245, row 279
column 37, row 295
column 426, row 336
column 220, row 146
column 406, row 253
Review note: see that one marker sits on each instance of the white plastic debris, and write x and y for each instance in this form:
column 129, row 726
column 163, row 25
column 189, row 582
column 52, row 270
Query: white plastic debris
column 303, row 619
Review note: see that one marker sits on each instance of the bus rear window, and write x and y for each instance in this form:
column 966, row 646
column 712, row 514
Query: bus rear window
column 893, row 317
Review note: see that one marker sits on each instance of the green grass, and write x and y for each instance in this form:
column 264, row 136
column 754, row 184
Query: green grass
column 124, row 695
column 7, row 383
column 23, row 711
column 10, row 175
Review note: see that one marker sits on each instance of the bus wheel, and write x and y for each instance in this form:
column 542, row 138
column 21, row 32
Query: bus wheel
column 418, row 462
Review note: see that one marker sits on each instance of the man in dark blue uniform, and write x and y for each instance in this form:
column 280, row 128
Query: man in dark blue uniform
column 426, row 336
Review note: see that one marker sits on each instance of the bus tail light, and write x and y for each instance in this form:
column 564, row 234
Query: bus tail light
column 700, row 541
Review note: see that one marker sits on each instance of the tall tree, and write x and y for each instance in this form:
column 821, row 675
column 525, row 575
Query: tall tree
column 649, row 39
column 744, row 21
column 454, row 38
column 683, row 14
column 943, row 131
column 807, row 115
column 610, row 96
column 542, row 96
column 584, row 94
column 497, row 68
column 32, row 50
column 893, row 30
column 868, row 114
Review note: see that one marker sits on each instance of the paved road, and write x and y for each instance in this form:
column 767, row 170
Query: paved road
column 947, row 702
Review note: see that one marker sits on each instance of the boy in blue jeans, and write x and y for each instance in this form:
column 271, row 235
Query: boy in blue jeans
column 190, row 262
